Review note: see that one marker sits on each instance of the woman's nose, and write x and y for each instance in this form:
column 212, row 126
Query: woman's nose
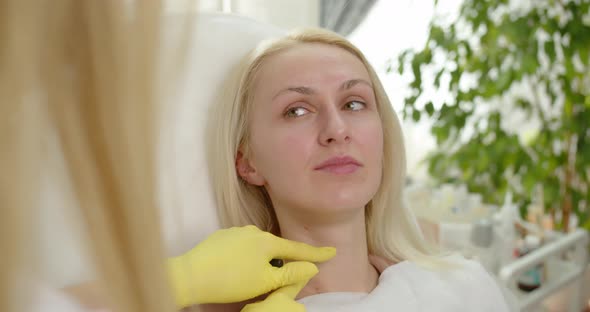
column 334, row 128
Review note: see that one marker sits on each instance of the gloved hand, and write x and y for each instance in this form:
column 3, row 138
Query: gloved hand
column 232, row 265
column 282, row 299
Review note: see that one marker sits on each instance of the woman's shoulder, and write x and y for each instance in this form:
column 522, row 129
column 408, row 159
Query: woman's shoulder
column 462, row 281
column 444, row 266
column 458, row 272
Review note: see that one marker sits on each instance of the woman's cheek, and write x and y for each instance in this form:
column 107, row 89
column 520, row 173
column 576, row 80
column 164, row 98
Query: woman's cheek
column 371, row 133
column 294, row 142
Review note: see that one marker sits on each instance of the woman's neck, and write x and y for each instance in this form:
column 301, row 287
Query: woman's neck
column 350, row 270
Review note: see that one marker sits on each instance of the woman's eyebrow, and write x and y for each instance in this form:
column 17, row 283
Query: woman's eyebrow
column 302, row 90
column 309, row 91
column 353, row 82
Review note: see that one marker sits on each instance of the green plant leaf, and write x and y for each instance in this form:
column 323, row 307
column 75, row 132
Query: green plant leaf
column 416, row 115
column 568, row 107
column 504, row 81
column 549, row 46
column 429, row 107
column 437, row 78
column 584, row 54
column 401, row 61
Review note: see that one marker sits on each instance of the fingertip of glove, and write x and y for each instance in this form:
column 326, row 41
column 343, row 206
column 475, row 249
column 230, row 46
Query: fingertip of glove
column 307, row 266
column 299, row 270
column 328, row 253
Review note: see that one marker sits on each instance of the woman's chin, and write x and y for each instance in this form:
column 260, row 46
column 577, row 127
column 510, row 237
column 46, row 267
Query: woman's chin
column 344, row 205
column 348, row 199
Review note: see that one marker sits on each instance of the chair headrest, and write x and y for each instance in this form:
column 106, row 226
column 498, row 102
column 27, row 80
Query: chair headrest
column 216, row 43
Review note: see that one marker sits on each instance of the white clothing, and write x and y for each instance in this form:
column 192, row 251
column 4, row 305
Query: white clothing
column 407, row 287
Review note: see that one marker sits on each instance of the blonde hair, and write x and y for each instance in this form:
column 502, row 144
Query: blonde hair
column 391, row 230
column 93, row 62
column 20, row 151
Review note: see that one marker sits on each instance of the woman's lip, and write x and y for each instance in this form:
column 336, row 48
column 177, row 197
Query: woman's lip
column 340, row 169
column 339, row 165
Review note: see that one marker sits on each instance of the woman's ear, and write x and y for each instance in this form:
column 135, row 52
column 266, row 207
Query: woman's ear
column 247, row 171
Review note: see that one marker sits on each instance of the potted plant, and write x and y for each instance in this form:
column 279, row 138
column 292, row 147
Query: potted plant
column 496, row 61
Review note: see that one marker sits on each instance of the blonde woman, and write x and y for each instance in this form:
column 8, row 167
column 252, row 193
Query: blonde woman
column 307, row 146
column 86, row 70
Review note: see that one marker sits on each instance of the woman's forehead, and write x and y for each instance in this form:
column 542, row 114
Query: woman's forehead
column 308, row 63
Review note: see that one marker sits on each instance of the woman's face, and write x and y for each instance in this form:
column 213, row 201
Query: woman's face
column 316, row 141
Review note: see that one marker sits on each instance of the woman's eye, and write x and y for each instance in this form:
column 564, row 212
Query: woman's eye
column 354, row 105
column 296, row 112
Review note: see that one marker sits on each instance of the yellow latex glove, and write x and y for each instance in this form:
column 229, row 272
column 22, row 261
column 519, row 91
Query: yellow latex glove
column 232, row 265
column 282, row 299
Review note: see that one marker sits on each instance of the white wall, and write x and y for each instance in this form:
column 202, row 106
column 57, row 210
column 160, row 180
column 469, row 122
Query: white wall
column 286, row 14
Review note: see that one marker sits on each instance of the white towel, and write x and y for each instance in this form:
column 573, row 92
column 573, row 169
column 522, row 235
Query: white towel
column 407, row 287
